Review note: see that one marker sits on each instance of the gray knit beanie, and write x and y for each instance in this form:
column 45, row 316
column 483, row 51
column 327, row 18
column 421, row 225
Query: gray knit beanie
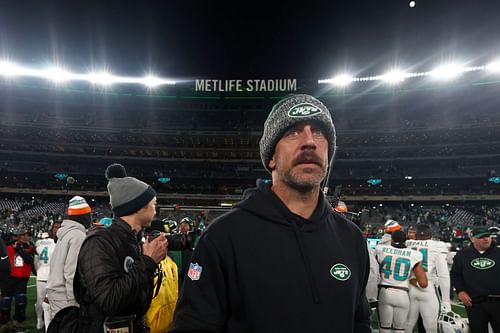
column 127, row 195
column 289, row 111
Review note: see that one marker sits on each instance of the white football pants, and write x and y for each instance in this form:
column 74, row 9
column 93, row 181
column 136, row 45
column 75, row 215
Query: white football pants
column 393, row 306
column 424, row 301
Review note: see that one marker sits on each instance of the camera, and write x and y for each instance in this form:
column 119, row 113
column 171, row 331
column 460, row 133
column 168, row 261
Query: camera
column 176, row 242
column 150, row 236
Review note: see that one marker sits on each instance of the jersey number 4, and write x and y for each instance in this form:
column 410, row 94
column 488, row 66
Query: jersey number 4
column 44, row 255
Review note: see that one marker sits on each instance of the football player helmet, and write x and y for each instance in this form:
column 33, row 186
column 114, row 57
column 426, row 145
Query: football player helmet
column 172, row 225
column 451, row 322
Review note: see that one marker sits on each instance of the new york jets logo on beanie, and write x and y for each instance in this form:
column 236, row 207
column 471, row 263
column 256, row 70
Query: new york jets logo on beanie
column 291, row 110
column 127, row 195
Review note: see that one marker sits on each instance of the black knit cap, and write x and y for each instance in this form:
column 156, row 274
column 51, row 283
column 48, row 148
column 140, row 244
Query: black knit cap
column 127, row 195
column 291, row 110
column 398, row 238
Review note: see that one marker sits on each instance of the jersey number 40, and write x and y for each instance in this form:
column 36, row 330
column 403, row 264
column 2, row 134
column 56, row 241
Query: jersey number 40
column 398, row 268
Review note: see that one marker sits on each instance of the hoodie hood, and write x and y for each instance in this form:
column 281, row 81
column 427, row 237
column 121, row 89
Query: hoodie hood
column 278, row 212
column 68, row 226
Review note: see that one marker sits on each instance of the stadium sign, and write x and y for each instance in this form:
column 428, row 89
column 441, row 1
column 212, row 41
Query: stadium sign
column 255, row 85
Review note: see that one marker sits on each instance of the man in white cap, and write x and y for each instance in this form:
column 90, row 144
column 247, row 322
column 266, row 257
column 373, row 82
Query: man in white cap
column 63, row 262
column 44, row 248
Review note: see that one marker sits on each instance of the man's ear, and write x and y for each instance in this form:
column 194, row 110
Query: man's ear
column 271, row 164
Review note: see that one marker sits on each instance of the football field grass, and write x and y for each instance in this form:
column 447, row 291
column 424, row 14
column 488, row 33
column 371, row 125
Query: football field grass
column 30, row 322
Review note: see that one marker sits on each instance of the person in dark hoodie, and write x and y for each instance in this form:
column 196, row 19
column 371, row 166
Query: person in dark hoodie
column 4, row 261
column 4, row 275
column 281, row 260
column 476, row 275
column 63, row 261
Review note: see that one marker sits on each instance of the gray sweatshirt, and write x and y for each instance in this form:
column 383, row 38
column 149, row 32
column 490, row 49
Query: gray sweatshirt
column 63, row 262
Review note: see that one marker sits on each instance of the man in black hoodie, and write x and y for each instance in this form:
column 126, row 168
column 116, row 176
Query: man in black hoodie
column 4, row 275
column 282, row 260
column 476, row 275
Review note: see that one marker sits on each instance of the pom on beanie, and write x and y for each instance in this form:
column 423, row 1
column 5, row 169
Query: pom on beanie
column 127, row 195
column 115, row 171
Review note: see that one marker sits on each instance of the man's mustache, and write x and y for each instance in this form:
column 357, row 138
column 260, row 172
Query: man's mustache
column 308, row 157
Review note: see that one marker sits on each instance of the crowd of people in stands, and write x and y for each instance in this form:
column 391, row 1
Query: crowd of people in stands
column 448, row 221
column 37, row 214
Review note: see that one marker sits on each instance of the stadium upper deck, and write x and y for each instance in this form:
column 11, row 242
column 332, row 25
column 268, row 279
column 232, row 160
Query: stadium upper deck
column 446, row 137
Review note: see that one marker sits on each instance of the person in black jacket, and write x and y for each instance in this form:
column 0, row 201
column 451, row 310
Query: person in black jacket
column 281, row 261
column 4, row 261
column 476, row 276
column 4, row 275
column 115, row 271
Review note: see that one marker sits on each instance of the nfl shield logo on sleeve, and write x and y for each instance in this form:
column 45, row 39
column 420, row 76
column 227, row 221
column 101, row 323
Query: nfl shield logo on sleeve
column 194, row 271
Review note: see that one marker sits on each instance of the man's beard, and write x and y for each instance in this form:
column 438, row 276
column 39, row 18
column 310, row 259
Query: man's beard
column 302, row 185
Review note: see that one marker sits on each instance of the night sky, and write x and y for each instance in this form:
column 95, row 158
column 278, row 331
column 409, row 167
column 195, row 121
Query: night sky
column 255, row 39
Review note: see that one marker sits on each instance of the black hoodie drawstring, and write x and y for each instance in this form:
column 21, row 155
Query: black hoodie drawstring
column 307, row 263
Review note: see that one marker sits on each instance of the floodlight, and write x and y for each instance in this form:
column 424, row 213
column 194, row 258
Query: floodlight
column 342, row 80
column 494, row 66
column 394, row 76
column 152, row 81
column 57, row 75
column 102, row 78
column 412, row 4
column 448, row 71
column 9, row 69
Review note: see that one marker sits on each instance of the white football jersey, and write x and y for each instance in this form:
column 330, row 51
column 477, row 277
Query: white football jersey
column 434, row 257
column 396, row 265
column 44, row 249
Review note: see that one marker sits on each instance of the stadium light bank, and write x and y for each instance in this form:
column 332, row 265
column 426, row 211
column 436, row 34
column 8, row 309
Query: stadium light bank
column 446, row 71
column 58, row 75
